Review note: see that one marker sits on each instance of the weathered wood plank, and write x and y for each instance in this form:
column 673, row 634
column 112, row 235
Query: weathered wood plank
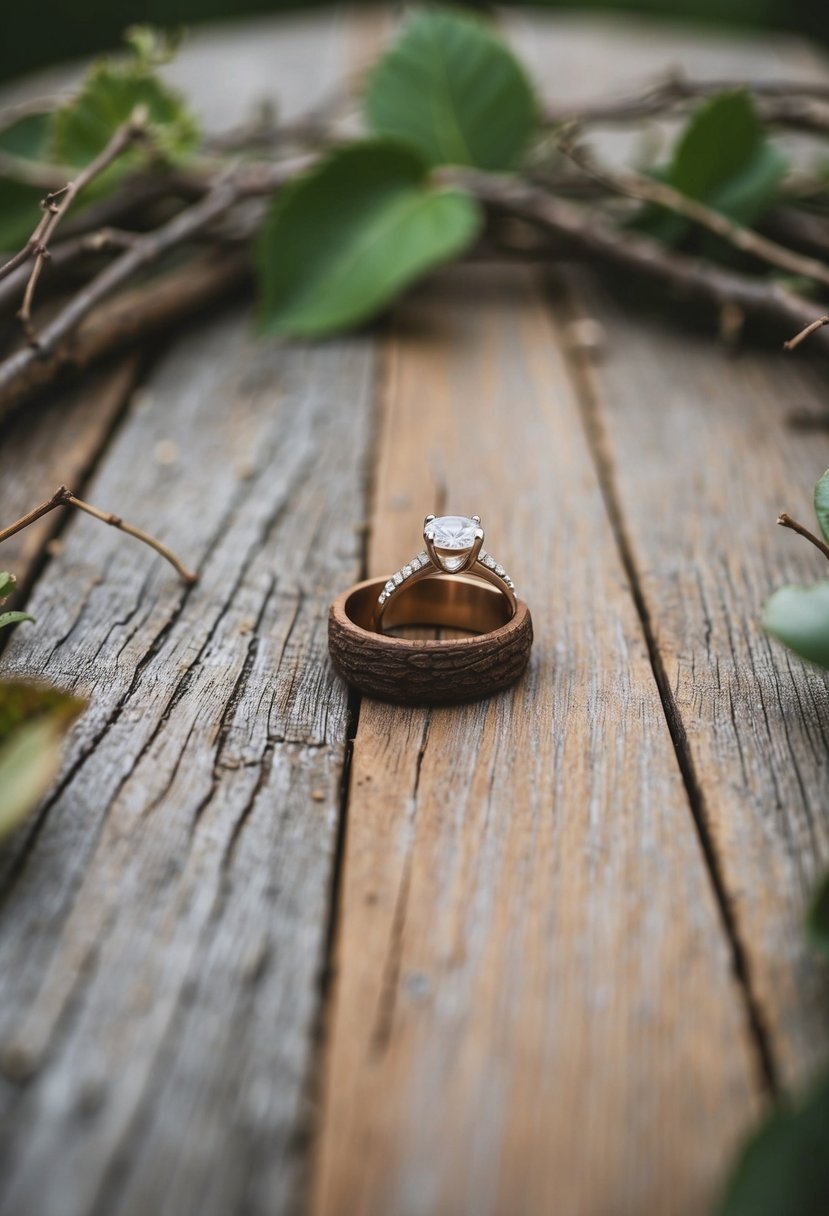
column 698, row 460
column 183, row 865
column 534, row 1008
column 163, row 927
column 699, row 483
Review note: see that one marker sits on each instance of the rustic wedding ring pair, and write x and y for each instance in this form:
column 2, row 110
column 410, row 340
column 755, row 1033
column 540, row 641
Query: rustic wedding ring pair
column 452, row 584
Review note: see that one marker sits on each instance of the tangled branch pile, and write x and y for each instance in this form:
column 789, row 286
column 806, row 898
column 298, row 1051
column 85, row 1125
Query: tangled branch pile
column 144, row 220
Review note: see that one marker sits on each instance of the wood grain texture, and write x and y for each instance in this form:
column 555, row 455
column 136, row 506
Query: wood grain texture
column 180, row 872
column 697, row 458
column 699, row 484
column 534, row 1007
column 163, row 919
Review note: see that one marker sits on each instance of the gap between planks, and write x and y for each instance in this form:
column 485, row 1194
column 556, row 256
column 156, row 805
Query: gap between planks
column 565, row 307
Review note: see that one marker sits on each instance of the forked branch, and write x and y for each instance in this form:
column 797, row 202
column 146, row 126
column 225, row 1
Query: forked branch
column 63, row 497
column 56, row 204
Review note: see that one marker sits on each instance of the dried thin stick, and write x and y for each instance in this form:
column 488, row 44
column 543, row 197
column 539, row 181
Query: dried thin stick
column 54, row 210
column 780, row 100
column 146, row 250
column 587, row 232
column 805, row 333
column 65, row 254
column 63, row 497
column 648, row 189
column 153, row 308
column 786, row 521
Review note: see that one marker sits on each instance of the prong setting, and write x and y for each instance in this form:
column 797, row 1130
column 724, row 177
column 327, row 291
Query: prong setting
column 453, row 544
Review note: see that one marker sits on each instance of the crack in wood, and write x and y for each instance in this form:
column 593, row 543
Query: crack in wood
column 599, row 449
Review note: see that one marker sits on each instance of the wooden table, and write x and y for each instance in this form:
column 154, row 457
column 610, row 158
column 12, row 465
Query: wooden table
column 268, row 949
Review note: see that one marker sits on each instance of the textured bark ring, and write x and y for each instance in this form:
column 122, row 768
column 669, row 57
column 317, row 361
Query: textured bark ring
column 432, row 672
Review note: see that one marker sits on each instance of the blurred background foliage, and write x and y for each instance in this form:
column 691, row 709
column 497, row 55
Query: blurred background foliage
column 34, row 35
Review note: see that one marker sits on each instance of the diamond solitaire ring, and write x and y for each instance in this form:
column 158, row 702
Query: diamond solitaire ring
column 453, row 545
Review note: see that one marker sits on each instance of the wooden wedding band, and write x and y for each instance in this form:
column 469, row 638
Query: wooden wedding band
column 431, row 672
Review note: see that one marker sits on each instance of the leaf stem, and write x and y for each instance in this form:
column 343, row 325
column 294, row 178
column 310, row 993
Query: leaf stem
column 63, row 497
column 786, row 521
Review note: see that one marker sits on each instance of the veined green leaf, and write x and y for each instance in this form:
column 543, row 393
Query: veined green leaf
column 799, row 616
column 452, row 89
column 343, row 241
column 725, row 160
column 33, row 721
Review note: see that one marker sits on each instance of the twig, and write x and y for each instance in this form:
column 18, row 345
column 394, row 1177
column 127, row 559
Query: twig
column 65, row 254
column 805, row 333
column 786, row 521
column 133, row 316
column 54, row 211
column 781, row 100
column 588, row 233
column 647, row 189
column 252, row 180
column 63, row 497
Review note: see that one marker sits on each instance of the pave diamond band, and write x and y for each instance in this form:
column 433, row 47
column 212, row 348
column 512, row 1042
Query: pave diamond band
column 421, row 562
column 453, row 545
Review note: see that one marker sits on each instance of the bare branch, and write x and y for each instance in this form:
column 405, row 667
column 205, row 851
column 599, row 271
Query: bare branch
column 648, row 189
column 54, row 210
column 588, row 233
column 786, row 521
column 65, row 498
column 65, row 254
column 788, row 102
column 252, row 180
column 805, row 333
column 133, row 316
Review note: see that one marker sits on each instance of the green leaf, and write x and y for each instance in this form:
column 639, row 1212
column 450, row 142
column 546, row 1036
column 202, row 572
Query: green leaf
column 784, row 1169
column 33, row 721
column 724, row 160
column 107, row 98
column 799, row 616
column 822, row 504
column 817, row 918
column 453, row 90
column 13, row 618
column 7, row 585
column 343, row 241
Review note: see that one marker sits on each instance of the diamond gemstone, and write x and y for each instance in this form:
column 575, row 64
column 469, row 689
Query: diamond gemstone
column 407, row 570
column 389, row 587
column 453, row 531
column 397, row 578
